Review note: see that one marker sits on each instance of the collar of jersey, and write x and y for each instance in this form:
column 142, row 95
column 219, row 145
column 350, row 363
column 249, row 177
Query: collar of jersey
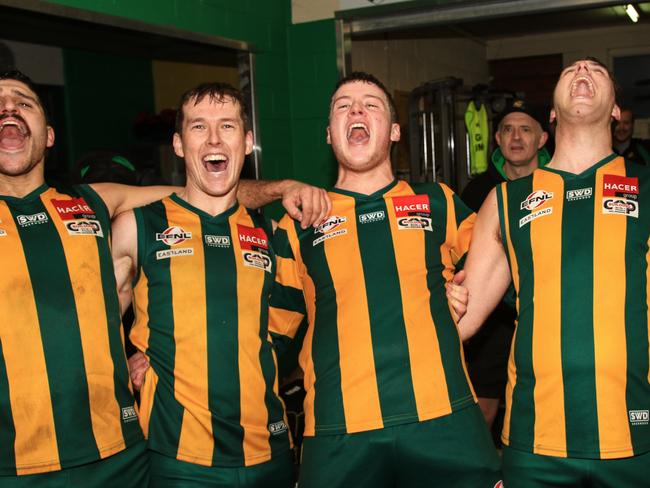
column 201, row 213
column 587, row 172
column 31, row 196
column 373, row 196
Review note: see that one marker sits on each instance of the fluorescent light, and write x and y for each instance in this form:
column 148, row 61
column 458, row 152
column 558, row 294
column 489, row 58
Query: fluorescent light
column 631, row 12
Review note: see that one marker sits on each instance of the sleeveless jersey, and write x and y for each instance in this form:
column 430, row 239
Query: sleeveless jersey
column 65, row 398
column 381, row 346
column 578, row 378
column 201, row 317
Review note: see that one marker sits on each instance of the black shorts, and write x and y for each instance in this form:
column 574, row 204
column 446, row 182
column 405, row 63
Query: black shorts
column 487, row 353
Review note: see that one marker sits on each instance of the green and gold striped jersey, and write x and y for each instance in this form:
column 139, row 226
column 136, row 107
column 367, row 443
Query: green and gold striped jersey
column 381, row 346
column 201, row 317
column 578, row 378
column 65, row 397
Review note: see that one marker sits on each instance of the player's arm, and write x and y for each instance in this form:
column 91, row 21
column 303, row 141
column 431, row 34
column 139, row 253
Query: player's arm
column 122, row 198
column 305, row 203
column 124, row 250
column 486, row 268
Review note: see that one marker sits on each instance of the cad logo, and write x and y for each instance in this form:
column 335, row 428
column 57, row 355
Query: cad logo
column 620, row 206
column 536, row 199
column 84, row 227
column 173, row 235
column 414, row 223
column 639, row 417
column 257, row 260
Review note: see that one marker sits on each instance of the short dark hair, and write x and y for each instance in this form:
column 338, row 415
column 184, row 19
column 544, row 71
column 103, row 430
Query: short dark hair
column 627, row 108
column 218, row 92
column 17, row 75
column 373, row 80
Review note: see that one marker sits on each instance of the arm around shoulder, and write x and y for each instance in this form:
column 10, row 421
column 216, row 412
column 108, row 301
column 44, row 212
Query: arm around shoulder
column 487, row 271
column 121, row 198
column 125, row 255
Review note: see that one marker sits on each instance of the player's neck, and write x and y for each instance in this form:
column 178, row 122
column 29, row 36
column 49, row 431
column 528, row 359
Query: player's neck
column 365, row 182
column 213, row 205
column 20, row 186
column 578, row 147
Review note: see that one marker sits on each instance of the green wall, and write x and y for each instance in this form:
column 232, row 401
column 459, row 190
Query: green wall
column 296, row 69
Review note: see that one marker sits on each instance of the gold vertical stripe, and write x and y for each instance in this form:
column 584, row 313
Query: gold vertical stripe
column 514, row 271
column 358, row 376
column 427, row 371
column 82, row 257
column 306, row 359
column 24, row 358
column 139, row 336
column 196, row 443
column 610, row 350
column 546, row 247
column 254, row 417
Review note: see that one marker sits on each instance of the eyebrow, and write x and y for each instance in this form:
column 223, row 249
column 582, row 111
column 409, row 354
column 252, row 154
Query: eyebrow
column 24, row 95
column 364, row 96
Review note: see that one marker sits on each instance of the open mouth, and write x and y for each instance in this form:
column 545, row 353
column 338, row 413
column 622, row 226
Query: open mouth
column 215, row 163
column 582, row 87
column 358, row 133
column 13, row 133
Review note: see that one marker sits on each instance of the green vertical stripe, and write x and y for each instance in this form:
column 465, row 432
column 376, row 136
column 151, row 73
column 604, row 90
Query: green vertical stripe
column 223, row 339
column 447, row 333
column 386, row 312
column 167, row 414
column 124, row 397
column 328, row 401
column 577, row 329
column 278, row 442
column 636, row 310
column 7, row 428
column 522, row 415
column 60, row 334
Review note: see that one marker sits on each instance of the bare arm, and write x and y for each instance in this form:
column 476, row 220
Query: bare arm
column 121, row 198
column 125, row 251
column 488, row 275
column 306, row 203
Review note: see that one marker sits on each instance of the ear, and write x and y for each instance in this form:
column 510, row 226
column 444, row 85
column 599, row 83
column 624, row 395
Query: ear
column 395, row 132
column 552, row 116
column 50, row 137
column 497, row 136
column 616, row 112
column 329, row 136
column 542, row 140
column 178, row 145
column 249, row 142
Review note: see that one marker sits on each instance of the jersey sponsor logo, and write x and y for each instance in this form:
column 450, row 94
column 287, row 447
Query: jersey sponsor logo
column 621, row 206
column 536, row 199
column 84, row 227
column 620, row 186
column 217, row 241
column 75, row 208
column 277, row 428
column 254, row 245
column 413, row 212
column 639, row 417
column 369, row 217
column 129, row 414
column 170, row 253
column 330, row 224
column 535, row 215
column 173, row 235
column 28, row 220
column 330, row 228
column 579, row 194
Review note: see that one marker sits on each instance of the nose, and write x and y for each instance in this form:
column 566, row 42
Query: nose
column 583, row 66
column 7, row 105
column 214, row 138
column 356, row 108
